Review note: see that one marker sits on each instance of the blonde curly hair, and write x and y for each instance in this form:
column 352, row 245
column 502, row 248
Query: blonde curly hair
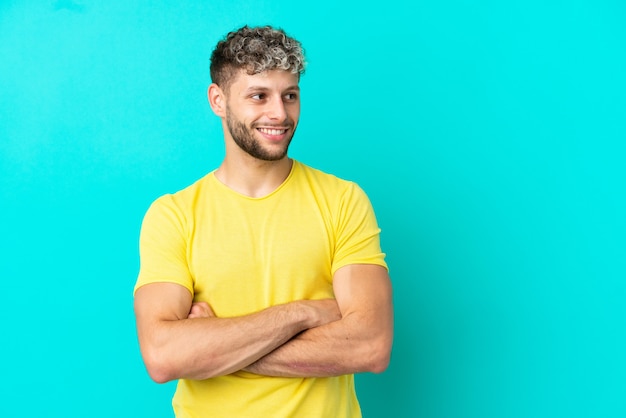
column 255, row 50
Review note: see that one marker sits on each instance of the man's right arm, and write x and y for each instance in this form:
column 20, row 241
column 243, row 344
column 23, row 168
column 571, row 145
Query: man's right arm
column 175, row 346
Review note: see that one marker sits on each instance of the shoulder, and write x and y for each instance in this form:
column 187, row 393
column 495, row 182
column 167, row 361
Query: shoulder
column 187, row 195
column 322, row 179
column 330, row 184
column 182, row 202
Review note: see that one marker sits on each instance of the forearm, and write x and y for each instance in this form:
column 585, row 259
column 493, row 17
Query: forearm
column 206, row 347
column 337, row 348
column 359, row 342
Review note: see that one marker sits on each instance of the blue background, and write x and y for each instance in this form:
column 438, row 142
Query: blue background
column 489, row 135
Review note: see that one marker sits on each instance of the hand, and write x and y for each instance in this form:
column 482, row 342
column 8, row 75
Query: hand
column 200, row 310
column 324, row 311
column 318, row 312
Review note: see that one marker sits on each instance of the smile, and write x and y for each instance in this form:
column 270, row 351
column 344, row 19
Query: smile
column 269, row 131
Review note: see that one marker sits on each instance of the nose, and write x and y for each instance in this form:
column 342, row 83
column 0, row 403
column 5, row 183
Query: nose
column 276, row 109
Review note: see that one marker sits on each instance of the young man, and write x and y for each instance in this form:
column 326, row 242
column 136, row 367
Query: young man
column 262, row 286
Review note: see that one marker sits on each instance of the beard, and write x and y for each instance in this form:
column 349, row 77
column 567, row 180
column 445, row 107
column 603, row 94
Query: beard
column 245, row 139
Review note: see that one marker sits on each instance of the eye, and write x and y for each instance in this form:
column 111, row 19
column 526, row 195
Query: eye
column 290, row 97
column 258, row 96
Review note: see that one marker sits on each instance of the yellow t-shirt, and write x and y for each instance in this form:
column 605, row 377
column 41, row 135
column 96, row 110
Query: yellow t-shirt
column 242, row 255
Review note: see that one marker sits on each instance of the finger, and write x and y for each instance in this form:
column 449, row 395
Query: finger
column 200, row 310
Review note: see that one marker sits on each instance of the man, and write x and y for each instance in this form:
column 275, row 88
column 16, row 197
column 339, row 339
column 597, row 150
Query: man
column 262, row 286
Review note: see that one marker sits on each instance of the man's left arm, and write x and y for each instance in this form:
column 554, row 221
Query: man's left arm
column 359, row 342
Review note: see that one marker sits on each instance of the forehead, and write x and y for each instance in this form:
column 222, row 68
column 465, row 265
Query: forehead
column 268, row 80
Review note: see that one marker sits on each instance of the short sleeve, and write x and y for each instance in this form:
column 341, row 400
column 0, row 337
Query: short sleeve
column 163, row 245
column 357, row 231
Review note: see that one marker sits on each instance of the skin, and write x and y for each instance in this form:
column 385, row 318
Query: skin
column 308, row 338
column 256, row 103
column 175, row 346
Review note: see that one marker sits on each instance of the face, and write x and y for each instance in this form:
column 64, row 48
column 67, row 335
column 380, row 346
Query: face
column 262, row 112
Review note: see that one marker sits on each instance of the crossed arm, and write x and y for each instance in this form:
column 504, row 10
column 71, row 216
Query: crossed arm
column 308, row 338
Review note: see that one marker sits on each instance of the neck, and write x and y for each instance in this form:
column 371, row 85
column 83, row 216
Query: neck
column 252, row 177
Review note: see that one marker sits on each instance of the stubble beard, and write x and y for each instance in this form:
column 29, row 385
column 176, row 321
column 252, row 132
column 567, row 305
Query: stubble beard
column 245, row 139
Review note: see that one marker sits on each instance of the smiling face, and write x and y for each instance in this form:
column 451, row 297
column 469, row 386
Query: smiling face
column 261, row 113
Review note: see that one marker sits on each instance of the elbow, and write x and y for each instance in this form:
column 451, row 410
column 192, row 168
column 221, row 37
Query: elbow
column 380, row 362
column 159, row 375
column 158, row 368
column 380, row 366
column 380, row 356
column 163, row 367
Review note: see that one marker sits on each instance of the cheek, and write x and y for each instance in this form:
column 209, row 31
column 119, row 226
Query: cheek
column 248, row 118
column 294, row 113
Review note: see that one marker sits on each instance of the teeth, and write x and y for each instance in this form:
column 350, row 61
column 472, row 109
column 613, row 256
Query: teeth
column 272, row 131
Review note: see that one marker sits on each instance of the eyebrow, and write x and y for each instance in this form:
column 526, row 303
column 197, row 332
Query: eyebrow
column 251, row 89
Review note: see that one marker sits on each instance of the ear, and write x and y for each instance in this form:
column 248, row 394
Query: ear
column 217, row 100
